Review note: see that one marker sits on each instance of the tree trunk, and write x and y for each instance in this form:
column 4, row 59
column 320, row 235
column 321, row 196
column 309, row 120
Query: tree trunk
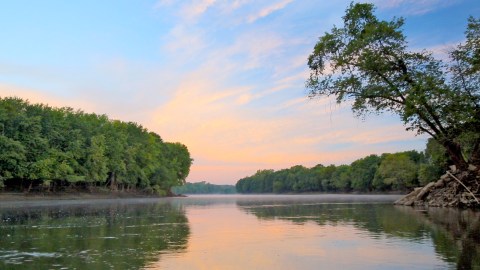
column 30, row 186
column 113, row 184
column 475, row 156
column 454, row 151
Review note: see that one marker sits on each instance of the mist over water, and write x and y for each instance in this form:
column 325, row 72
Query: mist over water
column 237, row 232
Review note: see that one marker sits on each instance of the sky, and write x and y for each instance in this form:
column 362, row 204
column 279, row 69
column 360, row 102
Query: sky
column 225, row 78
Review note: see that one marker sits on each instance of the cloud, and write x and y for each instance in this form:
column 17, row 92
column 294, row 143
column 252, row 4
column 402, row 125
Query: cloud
column 442, row 51
column 207, row 115
column 163, row 3
column 185, row 41
column 439, row 51
column 196, row 8
column 244, row 99
column 256, row 48
column 268, row 10
column 241, row 106
column 41, row 96
column 230, row 6
column 413, row 7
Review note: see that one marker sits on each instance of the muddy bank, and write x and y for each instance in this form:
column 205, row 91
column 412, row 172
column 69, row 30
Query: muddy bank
column 456, row 188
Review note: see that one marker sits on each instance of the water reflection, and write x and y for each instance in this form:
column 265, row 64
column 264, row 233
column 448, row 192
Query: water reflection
column 237, row 232
column 103, row 234
column 301, row 232
column 455, row 234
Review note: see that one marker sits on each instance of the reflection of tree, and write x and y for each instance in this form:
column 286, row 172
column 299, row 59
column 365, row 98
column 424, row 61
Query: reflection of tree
column 105, row 236
column 455, row 233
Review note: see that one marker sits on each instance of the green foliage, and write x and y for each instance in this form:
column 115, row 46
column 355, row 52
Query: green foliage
column 428, row 173
column 12, row 157
column 342, row 178
column 49, row 145
column 436, row 162
column 96, row 161
column 397, row 171
column 390, row 172
column 203, row 188
column 367, row 61
column 363, row 171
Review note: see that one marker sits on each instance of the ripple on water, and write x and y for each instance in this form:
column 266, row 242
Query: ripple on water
column 17, row 258
column 5, row 254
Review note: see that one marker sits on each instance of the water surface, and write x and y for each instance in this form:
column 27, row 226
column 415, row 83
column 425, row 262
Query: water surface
column 237, row 232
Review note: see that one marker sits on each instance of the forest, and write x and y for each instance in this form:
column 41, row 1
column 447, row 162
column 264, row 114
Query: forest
column 385, row 173
column 50, row 149
column 204, row 188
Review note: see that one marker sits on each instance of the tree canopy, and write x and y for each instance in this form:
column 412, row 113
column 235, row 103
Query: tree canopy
column 203, row 188
column 388, row 172
column 51, row 148
column 368, row 61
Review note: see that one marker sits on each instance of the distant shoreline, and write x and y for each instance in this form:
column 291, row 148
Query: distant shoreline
column 21, row 196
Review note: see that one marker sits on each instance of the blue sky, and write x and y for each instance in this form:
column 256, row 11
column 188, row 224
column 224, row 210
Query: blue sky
column 226, row 78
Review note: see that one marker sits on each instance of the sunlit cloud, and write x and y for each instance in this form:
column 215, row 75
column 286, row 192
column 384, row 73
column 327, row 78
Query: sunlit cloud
column 268, row 10
column 39, row 96
column 216, row 129
column 230, row 6
column 163, row 3
column 186, row 42
column 197, row 8
column 255, row 49
column 244, row 99
column 442, row 51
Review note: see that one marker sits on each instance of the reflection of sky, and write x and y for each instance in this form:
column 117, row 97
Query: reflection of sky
column 224, row 77
column 225, row 237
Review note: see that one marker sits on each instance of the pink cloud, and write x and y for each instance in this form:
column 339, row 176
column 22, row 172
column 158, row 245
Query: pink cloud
column 40, row 96
column 268, row 10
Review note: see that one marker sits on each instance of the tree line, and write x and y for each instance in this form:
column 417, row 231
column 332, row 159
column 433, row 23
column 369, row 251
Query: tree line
column 375, row 173
column 204, row 188
column 50, row 149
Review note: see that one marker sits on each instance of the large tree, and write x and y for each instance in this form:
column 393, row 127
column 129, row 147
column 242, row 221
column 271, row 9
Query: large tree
column 368, row 61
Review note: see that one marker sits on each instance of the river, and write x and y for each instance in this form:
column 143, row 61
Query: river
column 237, row 232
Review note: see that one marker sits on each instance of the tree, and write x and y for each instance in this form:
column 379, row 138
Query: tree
column 324, row 176
column 436, row 162
column 180, row 162
column 12, row 159
column 363, row 171
column 367, row 61
column 341, row 178
column 397, row 171
column 427, row 173
column 96, row 163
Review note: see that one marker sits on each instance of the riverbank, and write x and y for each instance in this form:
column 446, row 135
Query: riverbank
column 456, row 188
column 36, row 196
